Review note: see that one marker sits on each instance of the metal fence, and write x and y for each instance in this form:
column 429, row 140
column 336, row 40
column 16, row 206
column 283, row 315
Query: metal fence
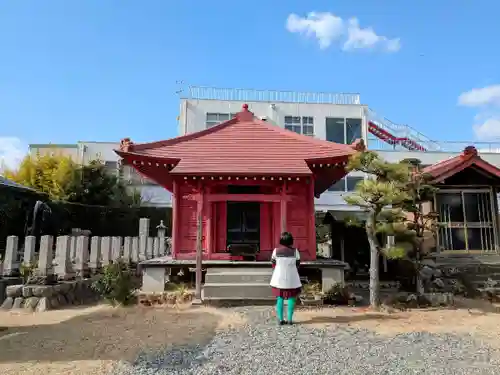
column 251, row 95
column 375, row 144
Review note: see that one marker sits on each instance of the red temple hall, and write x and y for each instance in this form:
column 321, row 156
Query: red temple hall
column 245, row 180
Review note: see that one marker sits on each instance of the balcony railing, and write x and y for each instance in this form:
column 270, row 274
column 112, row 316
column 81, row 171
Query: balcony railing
column 444, row 146
column 251, row 95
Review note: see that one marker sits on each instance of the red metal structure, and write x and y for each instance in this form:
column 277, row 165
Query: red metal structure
column 247, row 179
column 391, row 139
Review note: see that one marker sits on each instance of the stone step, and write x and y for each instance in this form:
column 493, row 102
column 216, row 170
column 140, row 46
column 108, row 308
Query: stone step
column 484, row 277
column 253, row 291
column 233, row 277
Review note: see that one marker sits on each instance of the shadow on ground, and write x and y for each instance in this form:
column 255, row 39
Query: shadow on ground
column 345, row 319
column 105, row 334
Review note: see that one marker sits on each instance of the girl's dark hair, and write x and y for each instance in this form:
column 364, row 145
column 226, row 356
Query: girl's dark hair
column 286, row 239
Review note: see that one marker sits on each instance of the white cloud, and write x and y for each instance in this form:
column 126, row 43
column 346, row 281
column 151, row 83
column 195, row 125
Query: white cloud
column 328, row 28
column 488, row 129
column 489, row 95
column 359, row 38
column 12, row 152
column 487, row 121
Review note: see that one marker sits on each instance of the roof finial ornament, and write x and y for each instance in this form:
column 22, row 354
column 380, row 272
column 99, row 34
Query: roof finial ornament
column 359, row 145
column 470, row 150
column 245, row 114
column 126, row 145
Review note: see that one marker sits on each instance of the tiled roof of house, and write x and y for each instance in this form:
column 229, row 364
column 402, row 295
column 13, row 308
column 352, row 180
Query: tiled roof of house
column 449, row 167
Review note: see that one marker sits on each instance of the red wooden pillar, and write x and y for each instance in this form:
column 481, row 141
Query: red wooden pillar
column 312, row 220
column 176, row 211
column 283, row 209
column 209, row 243
column 199, row 240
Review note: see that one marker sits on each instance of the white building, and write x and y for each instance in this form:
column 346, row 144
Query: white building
column 337, row 117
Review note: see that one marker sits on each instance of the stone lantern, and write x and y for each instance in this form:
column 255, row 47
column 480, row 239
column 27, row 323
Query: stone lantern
column 161, row 229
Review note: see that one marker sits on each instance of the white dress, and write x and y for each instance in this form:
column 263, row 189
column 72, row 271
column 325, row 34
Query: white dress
column 285, row 273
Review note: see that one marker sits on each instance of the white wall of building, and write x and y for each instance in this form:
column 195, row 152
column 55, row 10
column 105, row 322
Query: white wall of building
column 99, row 150
column 194, row 113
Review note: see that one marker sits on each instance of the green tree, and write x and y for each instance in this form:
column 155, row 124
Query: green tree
column 380, row 196
column 419, row 218
column 94, row 185
column 50, row 174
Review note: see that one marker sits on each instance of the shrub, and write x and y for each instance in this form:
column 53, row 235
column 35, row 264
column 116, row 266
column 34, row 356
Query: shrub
column 116, row 284
column 26, row 271
column 338, row 294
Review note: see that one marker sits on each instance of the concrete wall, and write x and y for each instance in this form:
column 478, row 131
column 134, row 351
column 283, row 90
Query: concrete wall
column 99, row 150
column 193, row 113
column 70, row 150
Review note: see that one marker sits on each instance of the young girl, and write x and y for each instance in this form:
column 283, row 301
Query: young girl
column 285, row 280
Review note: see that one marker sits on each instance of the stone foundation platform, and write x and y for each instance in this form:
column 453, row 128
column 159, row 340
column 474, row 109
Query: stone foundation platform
column 232, row 281
column 39, row 298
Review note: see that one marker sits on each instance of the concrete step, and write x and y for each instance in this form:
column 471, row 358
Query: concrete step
column 253, row 291
column 234, row 277
column 484, row 277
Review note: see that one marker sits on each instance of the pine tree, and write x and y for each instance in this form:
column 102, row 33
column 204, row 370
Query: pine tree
column 380, row 196
column 420, row 219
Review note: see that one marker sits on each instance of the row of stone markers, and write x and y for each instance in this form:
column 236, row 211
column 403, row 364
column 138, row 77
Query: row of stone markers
column 79, row 256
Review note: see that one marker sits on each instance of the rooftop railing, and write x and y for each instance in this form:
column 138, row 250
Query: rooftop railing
column 444, row 146
column 251, row 95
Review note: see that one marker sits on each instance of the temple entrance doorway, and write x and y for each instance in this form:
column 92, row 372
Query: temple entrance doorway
column 243, row 223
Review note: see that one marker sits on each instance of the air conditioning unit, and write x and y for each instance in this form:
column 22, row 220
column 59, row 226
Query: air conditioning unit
column 263, row 118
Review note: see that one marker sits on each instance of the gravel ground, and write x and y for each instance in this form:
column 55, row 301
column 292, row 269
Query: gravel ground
column 262, row 347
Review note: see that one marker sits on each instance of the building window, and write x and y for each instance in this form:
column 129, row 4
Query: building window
column 338, row 186
column 343, row 130
column 300, row 125
column 352, row 129
column 351, row 182
column 466, row 221
column 346, row 184
column 216, row 118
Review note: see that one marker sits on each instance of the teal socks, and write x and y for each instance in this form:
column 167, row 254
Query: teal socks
column 291, row 308
column 279, row 308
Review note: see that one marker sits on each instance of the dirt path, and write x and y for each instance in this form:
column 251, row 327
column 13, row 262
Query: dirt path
column 477, row 318
column 90, row 340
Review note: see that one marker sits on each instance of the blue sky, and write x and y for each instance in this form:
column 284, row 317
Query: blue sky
column 104, row 70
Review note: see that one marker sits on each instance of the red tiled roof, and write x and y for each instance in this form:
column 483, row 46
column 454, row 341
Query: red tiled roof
column 449, row 167
column 243, row 145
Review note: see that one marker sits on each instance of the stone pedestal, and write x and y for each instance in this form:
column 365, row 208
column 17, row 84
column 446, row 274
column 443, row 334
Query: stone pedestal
column 154, row 279
column 331, row 277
